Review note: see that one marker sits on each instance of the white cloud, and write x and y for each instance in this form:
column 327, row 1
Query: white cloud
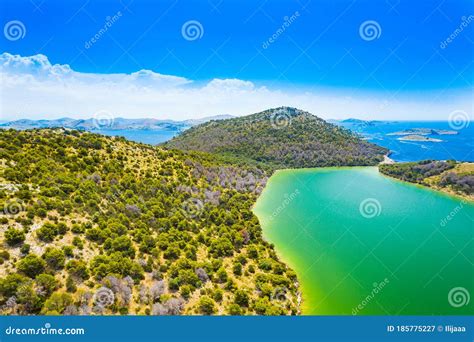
column 32, row 87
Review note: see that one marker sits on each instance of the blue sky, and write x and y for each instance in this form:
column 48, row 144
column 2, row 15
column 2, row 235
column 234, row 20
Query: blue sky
column 321, row 53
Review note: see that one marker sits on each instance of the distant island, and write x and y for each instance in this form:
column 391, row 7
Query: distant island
column 424, row 131
column 416, row 137
column 108, row 122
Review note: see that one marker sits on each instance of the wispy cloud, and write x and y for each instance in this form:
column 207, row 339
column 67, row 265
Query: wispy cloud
column 34, row 88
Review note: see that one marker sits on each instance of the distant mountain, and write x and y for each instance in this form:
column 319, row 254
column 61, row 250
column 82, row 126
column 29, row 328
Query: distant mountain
column 281, row 137
column 358, row 122
column 109, row 123
column 194, row 122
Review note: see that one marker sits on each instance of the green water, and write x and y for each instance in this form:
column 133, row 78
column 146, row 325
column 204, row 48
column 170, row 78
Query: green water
column 402, row 258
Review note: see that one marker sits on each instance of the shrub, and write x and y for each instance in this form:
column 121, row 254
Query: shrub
column 206, row 306
column 57, row 303
column 54, row 258
column 31, row 265
column 14, row 236
column 45, row 284
column 47, row 232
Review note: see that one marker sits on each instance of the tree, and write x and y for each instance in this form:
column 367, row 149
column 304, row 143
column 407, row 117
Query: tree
column 124, row 245
column 10, row 284
column 241, row 298
column 54, row 258
column 234, row 310
column 31, row 265
column 57, row 303
column 70, row 285
column 45, row 284
column 221, row 275
column 14, row 236
column 47, row 232
column 237, row 269
column 78, row 269
column 206, row 306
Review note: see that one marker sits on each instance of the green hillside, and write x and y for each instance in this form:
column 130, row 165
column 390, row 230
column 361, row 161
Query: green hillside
column 101, row 225
column 448, row 176
column 283, row 138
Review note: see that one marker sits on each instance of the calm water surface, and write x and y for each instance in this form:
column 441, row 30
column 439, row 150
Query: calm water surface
column 362, row 243
column 459, row 147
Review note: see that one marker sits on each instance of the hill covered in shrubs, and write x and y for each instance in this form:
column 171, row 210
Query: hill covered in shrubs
column 282, row 138
column 101, row 225
column 448, row 176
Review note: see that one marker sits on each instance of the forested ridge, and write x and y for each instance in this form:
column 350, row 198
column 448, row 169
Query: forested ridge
column 101, row 225
column 283, row 137
column 449, row 176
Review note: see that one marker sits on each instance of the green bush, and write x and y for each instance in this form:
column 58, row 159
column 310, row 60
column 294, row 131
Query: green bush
column 14, row 236
column 31, row 265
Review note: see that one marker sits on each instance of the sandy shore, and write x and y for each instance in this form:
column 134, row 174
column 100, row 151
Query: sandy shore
column 387, row 160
